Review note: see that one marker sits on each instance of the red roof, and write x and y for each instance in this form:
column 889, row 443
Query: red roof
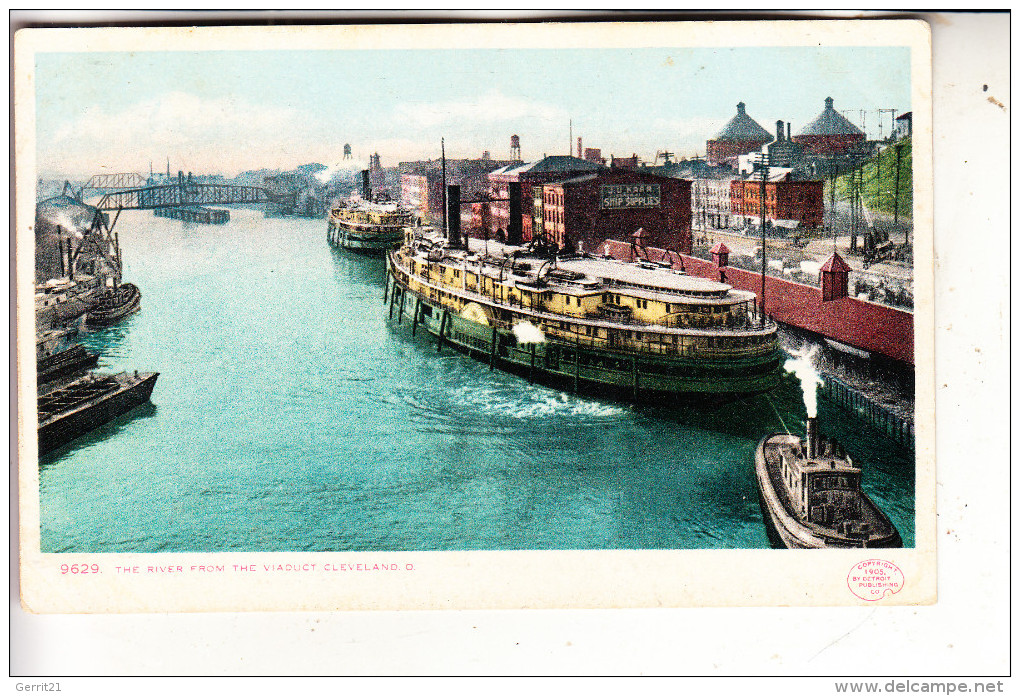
column 835, row 264
column 720, row 248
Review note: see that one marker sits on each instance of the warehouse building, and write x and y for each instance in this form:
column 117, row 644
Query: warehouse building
column 582, row 212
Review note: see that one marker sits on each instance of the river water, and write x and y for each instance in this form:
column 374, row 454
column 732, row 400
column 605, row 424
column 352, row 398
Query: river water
column 290, row 415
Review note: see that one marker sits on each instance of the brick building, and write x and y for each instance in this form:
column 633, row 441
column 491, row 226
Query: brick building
column 421, row 183
column 582, row 212
column 786, row 201
column 830, row 133
column 520, row 179
column 738, row 137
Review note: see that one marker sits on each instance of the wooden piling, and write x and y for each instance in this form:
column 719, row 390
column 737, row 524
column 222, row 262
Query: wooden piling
column 417, row 311
column 442, row 330
column 492, row 348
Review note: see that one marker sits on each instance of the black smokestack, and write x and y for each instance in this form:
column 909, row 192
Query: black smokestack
column 812, row 438
column 366, row 185
column 779, row 130
column 453, row 215
column 515, row 228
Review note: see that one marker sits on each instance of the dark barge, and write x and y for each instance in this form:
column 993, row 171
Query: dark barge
column 811, row 497
column 64, row 364
column 85, row 404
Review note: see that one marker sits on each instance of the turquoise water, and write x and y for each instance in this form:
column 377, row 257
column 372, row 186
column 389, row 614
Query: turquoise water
column 290, row 415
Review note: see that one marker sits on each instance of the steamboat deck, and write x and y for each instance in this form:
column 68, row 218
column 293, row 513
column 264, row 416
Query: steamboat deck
column 637, row 331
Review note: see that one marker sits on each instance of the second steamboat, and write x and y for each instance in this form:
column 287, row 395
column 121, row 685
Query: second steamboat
column 367, row 226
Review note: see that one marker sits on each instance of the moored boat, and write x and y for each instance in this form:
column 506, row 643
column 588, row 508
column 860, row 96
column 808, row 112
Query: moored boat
column 113, row 305
column 367, row 226
column 638, row 331
column 811, row 497
column 85, row 404
column 62, row 364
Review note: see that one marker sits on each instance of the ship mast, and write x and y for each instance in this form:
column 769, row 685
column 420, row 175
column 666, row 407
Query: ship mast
column 446, row 229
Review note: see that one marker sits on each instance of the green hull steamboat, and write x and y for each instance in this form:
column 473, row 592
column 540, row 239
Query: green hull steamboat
column 637, row 331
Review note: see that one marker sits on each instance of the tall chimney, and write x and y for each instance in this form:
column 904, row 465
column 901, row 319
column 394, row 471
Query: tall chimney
column 788, row 130
column 366, row 185
column 514, row 228
column 812, row 437
column 453, row 216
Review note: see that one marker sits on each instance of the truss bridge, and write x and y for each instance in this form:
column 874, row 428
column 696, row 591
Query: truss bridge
column 123, row 180
column 182, row 192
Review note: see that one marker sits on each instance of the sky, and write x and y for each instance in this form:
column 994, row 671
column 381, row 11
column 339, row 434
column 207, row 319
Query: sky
column 228, row 111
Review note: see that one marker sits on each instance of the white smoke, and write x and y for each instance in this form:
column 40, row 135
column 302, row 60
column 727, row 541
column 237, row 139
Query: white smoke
column 526, row 332
column 64, row 220
column 802, row 365
column 347, row 166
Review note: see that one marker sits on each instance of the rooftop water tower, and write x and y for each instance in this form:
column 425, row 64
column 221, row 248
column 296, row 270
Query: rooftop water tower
column 515, row 148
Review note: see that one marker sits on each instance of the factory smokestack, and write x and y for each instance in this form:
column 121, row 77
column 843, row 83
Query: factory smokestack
column 366, row 185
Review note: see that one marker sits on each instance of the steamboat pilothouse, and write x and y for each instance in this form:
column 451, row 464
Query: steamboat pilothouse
column 636, row 330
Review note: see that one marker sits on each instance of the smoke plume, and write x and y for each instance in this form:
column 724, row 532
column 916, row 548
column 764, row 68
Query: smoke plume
column 802, row 365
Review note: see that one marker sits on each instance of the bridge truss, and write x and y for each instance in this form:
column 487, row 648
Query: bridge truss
column 181, row 193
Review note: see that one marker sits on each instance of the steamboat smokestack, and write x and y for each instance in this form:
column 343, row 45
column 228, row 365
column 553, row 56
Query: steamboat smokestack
column 453, row 216
column 812, row 437
column 366, row 185
column 514, row 229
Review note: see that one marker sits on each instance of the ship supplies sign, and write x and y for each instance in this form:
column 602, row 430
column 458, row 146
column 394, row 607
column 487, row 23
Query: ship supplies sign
column 630, row 196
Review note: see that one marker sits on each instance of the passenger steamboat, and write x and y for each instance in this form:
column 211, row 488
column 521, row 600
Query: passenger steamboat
column 811, row 497
column 367, row 226
column 638, row 331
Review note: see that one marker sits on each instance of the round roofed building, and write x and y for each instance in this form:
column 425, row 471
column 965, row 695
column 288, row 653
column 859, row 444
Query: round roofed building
column 829, row 134
column 738, row 137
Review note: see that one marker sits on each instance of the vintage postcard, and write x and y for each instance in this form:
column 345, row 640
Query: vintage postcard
column 546, row 315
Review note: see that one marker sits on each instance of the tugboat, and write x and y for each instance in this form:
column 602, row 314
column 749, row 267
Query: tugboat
column 636, row 331
column 83, row 405
column 114, row 304
column 811, row 497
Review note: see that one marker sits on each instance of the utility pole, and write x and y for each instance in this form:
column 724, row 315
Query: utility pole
column 764, row 171
column 896, row 194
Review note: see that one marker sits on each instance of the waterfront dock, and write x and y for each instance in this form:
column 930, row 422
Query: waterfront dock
column 194, row 213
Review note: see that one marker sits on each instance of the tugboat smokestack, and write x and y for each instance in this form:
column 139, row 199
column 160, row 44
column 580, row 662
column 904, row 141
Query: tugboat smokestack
column 812, row 437
column 366, row 185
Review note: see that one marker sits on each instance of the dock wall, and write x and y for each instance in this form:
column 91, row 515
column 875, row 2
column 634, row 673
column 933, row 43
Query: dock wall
column 897, row 427
column 858, row 323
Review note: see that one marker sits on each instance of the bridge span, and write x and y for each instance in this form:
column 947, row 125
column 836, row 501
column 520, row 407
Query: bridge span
column 183, row 192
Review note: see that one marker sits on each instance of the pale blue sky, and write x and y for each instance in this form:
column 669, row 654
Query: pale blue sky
column 226, row 111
